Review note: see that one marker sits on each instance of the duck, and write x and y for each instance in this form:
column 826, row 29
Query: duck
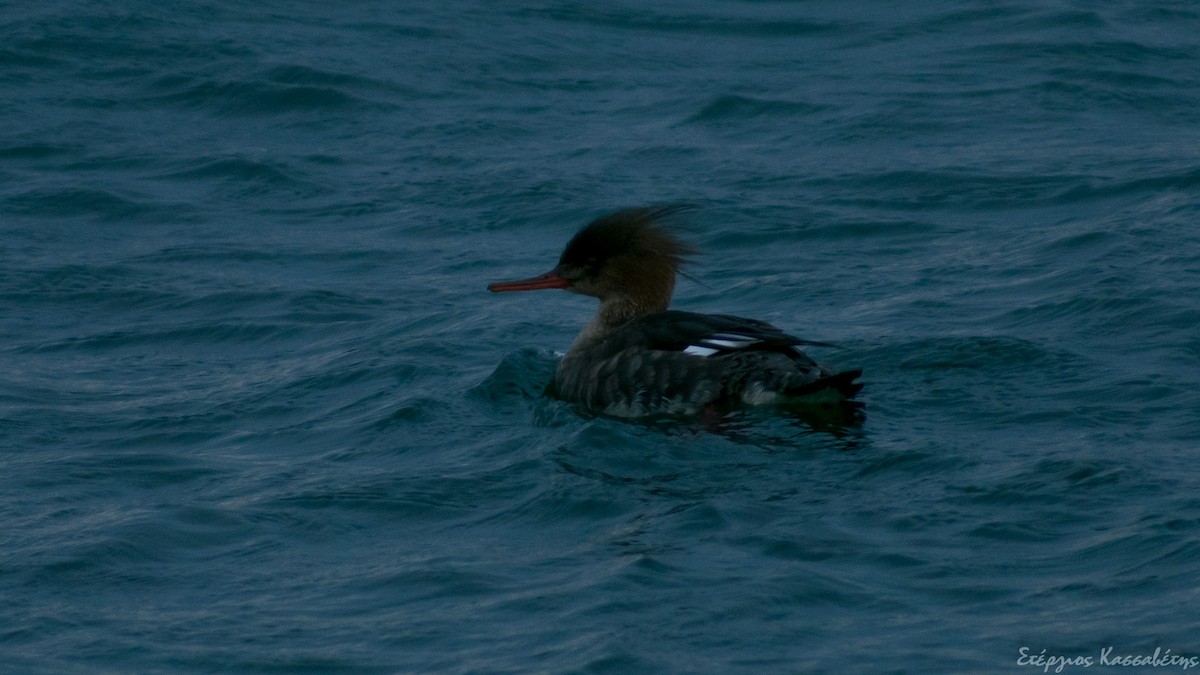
column 637, row 357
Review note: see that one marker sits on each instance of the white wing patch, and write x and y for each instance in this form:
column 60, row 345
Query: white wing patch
column 731, row 340
column 720, row 342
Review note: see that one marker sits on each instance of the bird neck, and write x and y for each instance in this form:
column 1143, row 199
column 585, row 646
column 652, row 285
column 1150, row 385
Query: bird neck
column 619, row 310
column 653, row 283
column 616, row 311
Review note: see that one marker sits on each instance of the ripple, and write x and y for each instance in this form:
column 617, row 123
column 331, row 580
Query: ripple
column 984, row 352
column 104, row 205
column 114, row 286
column 212, row 333
column 525, row 373
column 38, row 151
column 235, row 168
column 249, row 98
column 701, row 24
column 735, row 108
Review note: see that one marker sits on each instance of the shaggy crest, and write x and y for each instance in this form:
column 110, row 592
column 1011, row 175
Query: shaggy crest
column 637, row 232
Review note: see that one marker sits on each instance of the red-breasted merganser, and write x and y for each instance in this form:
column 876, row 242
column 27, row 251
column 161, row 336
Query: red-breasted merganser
column 637, row 357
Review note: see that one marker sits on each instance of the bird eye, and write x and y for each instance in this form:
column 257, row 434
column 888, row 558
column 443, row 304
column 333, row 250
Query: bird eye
column 569, row 272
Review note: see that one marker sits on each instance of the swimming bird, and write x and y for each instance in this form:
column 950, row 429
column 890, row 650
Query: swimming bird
column 638, row 358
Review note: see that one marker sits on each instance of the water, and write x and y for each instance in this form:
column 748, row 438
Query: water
column 259, row 415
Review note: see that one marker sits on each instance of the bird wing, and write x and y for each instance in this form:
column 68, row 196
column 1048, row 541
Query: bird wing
column 711, row 335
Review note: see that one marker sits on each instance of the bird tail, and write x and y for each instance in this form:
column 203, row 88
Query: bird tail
column 836, row 387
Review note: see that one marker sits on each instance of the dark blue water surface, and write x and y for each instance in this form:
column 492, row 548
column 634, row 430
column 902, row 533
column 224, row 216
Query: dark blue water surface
column 258, row 413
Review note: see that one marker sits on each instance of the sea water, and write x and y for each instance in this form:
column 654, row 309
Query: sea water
column 259, row 414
